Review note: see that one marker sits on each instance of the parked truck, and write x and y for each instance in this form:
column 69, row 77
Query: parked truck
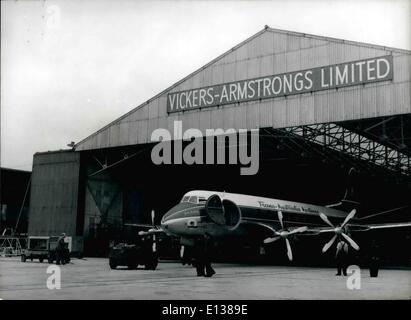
column 44, row 248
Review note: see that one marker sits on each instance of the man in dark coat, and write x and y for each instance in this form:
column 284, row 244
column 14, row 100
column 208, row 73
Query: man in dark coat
column 186, row 254
column 203, row 248
column 60, row 249
column 341, row 257
column 374, row 258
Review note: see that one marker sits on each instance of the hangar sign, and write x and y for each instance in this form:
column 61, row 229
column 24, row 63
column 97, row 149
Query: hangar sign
column 290, row 83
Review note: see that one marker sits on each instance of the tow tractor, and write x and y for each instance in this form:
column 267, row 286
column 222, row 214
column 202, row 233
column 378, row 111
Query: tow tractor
column 132, row 255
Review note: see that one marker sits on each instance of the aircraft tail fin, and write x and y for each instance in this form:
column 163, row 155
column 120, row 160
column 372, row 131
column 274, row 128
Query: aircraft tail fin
column 349, row 200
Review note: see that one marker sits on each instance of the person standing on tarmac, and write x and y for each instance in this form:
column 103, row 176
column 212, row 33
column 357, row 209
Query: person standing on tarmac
column 199, row 256
column 341, row 257
column 202, row 261
column 208, row 245
column 186, row 255
column 374, row 258
column 60, row 248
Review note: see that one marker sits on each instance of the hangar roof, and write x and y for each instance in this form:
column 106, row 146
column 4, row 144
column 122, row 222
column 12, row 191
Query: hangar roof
column 270, row 52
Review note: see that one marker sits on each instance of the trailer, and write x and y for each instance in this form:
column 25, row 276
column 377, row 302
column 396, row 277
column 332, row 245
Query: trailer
column 44, row 248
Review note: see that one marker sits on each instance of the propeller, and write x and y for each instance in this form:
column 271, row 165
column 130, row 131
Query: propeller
column 280, row 218
column 182, row 248
column 283, row 233
column 154, row 235
column 339, row 231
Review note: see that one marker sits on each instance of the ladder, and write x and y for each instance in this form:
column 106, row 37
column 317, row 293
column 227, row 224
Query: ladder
column 10, row 246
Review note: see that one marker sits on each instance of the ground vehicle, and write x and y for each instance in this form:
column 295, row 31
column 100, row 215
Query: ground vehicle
column 7, row 252
column 132, row 255
column 43, row 247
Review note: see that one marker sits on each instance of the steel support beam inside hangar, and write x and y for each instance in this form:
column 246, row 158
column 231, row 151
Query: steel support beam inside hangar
column 308, row 139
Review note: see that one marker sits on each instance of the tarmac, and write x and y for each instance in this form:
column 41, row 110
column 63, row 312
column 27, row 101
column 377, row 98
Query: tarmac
column 92, row 278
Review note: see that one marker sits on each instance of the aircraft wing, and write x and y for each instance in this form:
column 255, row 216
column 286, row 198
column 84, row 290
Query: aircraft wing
column 367, row 227
column 358, row 227
column 257, row 229
column 140, row 225
column 151, row 229
column 312, row 231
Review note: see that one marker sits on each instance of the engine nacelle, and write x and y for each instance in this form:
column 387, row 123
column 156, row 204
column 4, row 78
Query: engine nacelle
column 223, row 212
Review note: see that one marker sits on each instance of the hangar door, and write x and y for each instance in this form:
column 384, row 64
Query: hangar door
column 54, row 196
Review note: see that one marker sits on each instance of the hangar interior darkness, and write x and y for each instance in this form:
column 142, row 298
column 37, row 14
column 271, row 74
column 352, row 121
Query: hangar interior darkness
column 122, row 185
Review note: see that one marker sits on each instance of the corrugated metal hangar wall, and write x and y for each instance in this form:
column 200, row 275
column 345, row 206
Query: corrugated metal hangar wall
column 65, row 201
column 54, row 196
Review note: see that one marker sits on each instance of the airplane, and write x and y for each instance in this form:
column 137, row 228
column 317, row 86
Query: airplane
column 222, row 214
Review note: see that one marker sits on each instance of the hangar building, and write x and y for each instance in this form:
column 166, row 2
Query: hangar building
column 321, row 106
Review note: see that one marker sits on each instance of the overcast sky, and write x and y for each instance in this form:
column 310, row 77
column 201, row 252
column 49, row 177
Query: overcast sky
column 69, row 68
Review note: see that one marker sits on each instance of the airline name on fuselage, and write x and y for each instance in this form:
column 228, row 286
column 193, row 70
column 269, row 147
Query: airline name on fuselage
column 286, row 207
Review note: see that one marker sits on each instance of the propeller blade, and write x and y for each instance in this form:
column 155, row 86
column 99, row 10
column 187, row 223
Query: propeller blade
column 325, row 219
column 289, row 252
column 182, row 252
column 270, row 240
column 298, row 230
column 280, row 218
column 350, row 215
column 329, row 244
column 154, row 246
column 351, row 241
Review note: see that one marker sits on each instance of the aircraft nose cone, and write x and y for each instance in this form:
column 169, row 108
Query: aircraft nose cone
column 169, row 225
column 165, row 224
column 166, row 217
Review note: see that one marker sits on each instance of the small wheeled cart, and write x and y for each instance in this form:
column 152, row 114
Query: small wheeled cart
column 132, row 255
column 43, row 248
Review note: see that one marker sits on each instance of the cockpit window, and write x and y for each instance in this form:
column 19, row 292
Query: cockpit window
column 193, row 199
column 185, row 199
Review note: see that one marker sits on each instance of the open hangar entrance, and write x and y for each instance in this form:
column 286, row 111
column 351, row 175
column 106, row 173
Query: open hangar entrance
column 308, row 164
